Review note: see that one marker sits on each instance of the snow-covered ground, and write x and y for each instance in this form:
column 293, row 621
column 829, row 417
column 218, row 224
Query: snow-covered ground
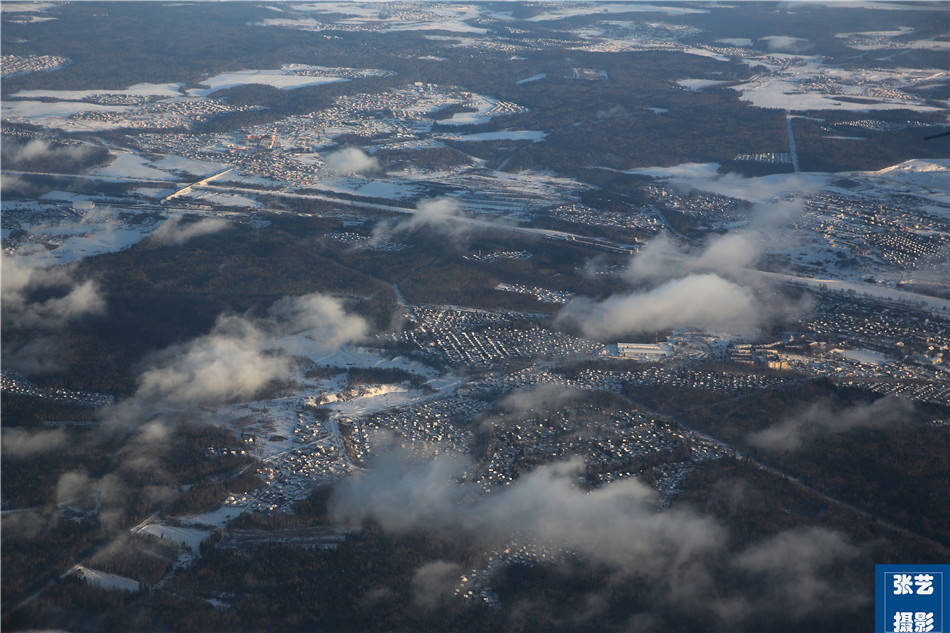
column 90, row 230
column 930, row 176
column 735, row 41
column 137, row 90
column 281, row 78
column 189, row 166
column 397, row 188
column 423, row 17
column 26, row 7
column 807, row 83
column 215, row 518
column 352, row 356
column 186, row 536
column 130, row 165
column 864, row 356
column 705, row 177
column 591, row 8
column 938, row 306
column 532, row 78
column 698, row 85
column 224, row 199
column 105, row 580
column 55, row 114
column 534, row 136
column 482, row 114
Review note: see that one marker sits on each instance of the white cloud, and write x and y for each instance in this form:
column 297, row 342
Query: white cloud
column 616, row 524
column 15, row 155
column 702, row 301
column 351, row 160
column 241, row 355
column 227, row 364
column 433, row 582
column 19, row 442
column 172, row 231
column 822, row 418
column 796, row 567
column 440, row 215
column 708, row 288
column 786, row 43
column 21, row 277
column 705, row 177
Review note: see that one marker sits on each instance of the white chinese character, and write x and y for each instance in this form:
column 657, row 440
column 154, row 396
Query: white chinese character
column 904, row 622
column 902, row 584
column 923, row 621
column 925, row 584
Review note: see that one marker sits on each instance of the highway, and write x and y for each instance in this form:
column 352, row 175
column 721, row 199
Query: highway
column 937, row 305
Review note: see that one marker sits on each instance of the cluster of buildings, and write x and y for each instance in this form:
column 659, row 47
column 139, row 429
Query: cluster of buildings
column 13, row 383
column 480, row 257
column 609, row 440
column 475, row 583
column 291, row 475
column 896, row 231
column 935, row 392
column 687, row 378
column 402, row 116
column 876, row 125
column 771, row 158
column 914, row 337
column 439, row 426
column 589, row 74
column 358, row 240
column 641, row 220
column 543, row 295
column 695, row 203
column 495, row 344
column 143, row 113
column 16, row 64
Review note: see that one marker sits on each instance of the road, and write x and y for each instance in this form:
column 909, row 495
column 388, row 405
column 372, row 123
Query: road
column 791, row 141
column 938, row 306
column 739, row 455
column 138, row 181
column 941, row 307
column 484, row 225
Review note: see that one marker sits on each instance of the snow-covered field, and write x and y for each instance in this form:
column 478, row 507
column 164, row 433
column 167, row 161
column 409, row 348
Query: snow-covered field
column 130, row 165
column 352, row 356
column 55, row 113
column 806, row 83
column 106, row 580
column 864, row 356
column 482, row 113
column 186, row 536
column 368, row 16
column 937, row 306
column 189, row 166
column 281, row 78
column 26, row 7
column 534, row 136
column 138, row 90
column 389, row 188
column 931, row 174
column 224, row 199
column 532, row 78
column 705, row 177
column 215, row 518
column 66, row 238
column 591, row 8
column 697, row 85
